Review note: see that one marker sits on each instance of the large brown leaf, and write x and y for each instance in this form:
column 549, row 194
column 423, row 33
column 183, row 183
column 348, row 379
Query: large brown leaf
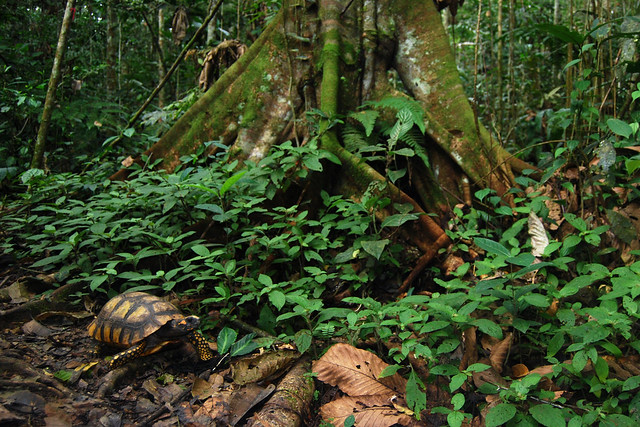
column 370, row 411
column 356, row 372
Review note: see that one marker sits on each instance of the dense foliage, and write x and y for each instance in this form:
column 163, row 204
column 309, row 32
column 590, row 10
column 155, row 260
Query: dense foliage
column 312, row 272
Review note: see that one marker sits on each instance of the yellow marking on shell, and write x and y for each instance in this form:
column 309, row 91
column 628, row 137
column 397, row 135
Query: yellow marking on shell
column 122, row 310
column 115, row 335
column 92, row 328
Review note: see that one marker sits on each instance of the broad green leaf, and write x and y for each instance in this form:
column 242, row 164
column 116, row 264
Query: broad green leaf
column 230, row 181
column 619, row 127
column 244, row 345
column 201, row 250
column 265, row 280
column 456, row 381
column 547, row 415
column 277, row 298
column 536, row 300
column 555, row 344
column 226, row 338
column 389, row 371
column 562, row 32
column 500, row 414
column 312, row 163
column 398, row 219
column 631, row 383
column 457, row 401
column 455, row 419
column 374, row 247
column 576, row 284
column 488, row 327
column 491, row 246
column 303, row 339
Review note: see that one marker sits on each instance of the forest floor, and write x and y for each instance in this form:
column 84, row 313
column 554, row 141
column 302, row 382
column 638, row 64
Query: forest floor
column 53, row 374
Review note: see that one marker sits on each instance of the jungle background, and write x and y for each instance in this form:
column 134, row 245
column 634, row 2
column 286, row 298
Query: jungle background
column 526, row 313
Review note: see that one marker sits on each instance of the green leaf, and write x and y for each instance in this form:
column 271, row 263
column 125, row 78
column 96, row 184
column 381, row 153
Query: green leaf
column 536, row 300
column 244, row 345
column 555, row 344
column 488, row 327
column 500, row 414
column 416, row 398
column 619, row 127
column 303, row 339
column 455, row 419
column 63, row 375
column 367, row 118
column 547, row 415
column 398, row 219
column 230, row 181
column 226, row 338
column 562, row 32
column 312, row 163
column 201, row 250
column 491, row 247
column 457, row 381
column 576, row 284
column 265, row 280
column 631, row 383
column 457, row 401
column 389, row 371
column 374, row 247
column 277, row 298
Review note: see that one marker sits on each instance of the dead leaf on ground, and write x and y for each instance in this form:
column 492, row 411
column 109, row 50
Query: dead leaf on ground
column 262, row 366
column 499, row 352
column 372, row 411
column 356, row 372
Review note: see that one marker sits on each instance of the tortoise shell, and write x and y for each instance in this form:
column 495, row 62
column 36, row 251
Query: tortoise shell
column 129, row 318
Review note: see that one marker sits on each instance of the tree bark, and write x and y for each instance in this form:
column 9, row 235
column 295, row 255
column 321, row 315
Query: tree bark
column 254, row 104
column 37, row 162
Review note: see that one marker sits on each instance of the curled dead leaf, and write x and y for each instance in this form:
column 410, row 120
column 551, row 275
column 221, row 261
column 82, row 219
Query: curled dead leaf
column 519, row 370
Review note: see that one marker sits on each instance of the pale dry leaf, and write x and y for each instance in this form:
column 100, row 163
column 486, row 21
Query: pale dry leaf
column 371, row 411
column 356, row 372
column 539, row 239
column 256, row 368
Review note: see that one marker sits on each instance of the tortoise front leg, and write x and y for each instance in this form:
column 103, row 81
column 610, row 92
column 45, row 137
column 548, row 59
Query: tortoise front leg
column 201, row 345
column 127, row 355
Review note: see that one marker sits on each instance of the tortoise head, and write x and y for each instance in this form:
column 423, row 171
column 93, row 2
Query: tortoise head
column 180, row 327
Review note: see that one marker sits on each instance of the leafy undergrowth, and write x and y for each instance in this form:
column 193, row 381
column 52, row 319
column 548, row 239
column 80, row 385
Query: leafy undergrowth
column 529, row 317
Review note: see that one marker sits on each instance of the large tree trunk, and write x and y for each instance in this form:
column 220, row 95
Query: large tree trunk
column 341, row 53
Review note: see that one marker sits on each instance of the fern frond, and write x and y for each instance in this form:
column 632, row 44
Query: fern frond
column 401, row 103
column 367, row 119
column 415, row 140
column 354, row 138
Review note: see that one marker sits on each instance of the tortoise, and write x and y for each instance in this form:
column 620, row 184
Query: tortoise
column 144, row 323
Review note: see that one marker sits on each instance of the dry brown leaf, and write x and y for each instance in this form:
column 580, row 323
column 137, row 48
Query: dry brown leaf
column 519, row 370
column 499, row 352
column 371, row 411
column 356, row 372
column 256, row 368
column 488, row 376
column 470, row 342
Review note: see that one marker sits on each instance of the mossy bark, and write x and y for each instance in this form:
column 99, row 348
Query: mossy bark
column 342, row 53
